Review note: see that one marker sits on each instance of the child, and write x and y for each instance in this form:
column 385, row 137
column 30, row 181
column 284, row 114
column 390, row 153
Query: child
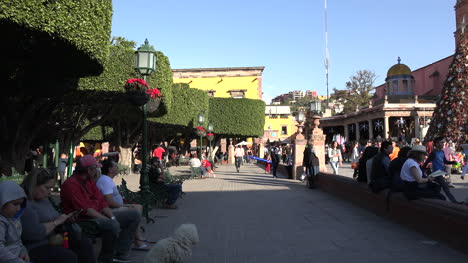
column 268, row 163
column 12, row 203
column 209, row 167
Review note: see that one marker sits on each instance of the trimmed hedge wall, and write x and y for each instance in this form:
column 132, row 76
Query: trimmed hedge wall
column 187, row 104
column 237, row 117
column 85, row 24
column 99, row 133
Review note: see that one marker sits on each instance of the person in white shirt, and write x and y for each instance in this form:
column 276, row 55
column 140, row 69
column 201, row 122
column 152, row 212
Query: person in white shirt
column 196, row 163
column 335, row 157
column 239, row 155
column 111, row 194
column 412, row 176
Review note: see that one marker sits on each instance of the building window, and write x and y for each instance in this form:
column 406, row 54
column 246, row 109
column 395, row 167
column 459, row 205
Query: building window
column 394, row 86
column 238, row 94
column 405, row 87
column 211, row 93
column 284, row 130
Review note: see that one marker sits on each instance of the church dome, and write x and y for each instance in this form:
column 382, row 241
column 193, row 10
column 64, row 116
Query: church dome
column 398, row 69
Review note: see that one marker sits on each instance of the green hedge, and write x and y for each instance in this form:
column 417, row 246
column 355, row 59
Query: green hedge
column 237, row 117
column 99, row 133
column 187, row 104
column 85, row 24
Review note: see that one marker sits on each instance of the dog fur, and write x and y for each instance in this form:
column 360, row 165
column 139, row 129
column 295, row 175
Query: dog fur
column 175, row 249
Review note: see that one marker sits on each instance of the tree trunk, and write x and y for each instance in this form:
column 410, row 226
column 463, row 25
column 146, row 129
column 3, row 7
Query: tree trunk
column 125, row 157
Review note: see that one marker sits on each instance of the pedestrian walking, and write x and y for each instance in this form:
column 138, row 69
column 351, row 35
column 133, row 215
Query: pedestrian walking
column 239, row 155
column 335, row 157
column 275, row 158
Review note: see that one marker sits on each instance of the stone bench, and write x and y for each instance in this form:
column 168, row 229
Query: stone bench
column 440, row 220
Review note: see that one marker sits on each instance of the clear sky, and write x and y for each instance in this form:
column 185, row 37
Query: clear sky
column 287, row 36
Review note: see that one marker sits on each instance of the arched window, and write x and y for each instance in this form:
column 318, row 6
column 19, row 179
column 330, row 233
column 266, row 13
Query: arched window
column 395, row 86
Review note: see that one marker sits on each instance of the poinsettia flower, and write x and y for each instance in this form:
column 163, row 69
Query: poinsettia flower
column 200, row 128
column 154, row 93
column 210, row 134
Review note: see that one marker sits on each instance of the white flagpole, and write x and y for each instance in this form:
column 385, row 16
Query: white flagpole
column 326, row 49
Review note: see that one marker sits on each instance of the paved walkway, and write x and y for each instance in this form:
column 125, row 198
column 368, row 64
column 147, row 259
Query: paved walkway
column 251, row 217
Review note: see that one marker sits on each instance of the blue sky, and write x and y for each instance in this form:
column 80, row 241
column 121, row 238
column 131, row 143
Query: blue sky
column 287, row 36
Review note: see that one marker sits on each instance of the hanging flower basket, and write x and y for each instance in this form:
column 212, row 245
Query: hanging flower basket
column 139, row 94
column 200, row 131
column 154, row 101
column 137, row 97
column 210, row 136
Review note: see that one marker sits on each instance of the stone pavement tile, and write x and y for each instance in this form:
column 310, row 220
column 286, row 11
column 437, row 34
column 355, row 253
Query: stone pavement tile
column 252, row 217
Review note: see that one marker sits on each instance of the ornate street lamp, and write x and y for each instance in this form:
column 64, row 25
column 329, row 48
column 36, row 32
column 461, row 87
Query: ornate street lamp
column 316, row 112
column 210, row 137
column 300, row 117
column 145, row 64
column 201, row 122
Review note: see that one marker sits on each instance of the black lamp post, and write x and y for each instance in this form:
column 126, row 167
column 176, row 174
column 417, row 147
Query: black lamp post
column 201, row 122
column 210, row 138
column 145, row 65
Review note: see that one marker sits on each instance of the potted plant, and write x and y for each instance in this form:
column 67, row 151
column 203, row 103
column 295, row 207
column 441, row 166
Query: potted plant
column 154, row 101
column 200, row 131
column 136, row 91
column 210, row 136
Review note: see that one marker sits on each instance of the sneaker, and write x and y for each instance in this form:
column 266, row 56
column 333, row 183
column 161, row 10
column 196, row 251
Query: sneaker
column 121, row 259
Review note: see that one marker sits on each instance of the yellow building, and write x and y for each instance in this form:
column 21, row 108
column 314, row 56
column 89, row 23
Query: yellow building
column 279, row 123
column 239, row 82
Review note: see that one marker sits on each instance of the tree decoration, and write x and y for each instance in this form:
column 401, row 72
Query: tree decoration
column 379, row 125
column 364, row 127
column 449, row 118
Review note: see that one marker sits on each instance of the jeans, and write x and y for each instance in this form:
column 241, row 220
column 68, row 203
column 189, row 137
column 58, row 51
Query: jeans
column 238, row 162
column 52, row 254
column 334, row 165
column 126, row 222
column 173, row 191
column 444, row 184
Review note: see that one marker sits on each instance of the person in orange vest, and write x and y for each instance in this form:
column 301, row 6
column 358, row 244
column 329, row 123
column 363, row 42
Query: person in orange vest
column 395, row 152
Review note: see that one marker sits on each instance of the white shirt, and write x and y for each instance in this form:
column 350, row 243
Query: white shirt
column 195, row 162
column 107, row 186
column 405, row 173
column 239, row 152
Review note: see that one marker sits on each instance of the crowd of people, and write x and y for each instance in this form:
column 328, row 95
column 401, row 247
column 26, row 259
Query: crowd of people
column 419, row 171
column 32, row 229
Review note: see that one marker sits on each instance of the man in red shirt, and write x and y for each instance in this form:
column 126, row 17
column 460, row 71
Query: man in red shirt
column 158, row 152
column 80, row 192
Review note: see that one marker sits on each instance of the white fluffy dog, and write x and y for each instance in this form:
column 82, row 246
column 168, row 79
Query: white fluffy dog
column 175, row 249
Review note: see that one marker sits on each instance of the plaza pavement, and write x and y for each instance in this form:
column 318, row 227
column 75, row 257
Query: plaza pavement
column 250, row 217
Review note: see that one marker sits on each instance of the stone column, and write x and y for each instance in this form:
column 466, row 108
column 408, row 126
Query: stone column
column 346, row 132
column 417, row 130
column 357, row 131
column 223, row 145
column 386, row 128
column 371, row 130
column 231, row 159
column 299, row 147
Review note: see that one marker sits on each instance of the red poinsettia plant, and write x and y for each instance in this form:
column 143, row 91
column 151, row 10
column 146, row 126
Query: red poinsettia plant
column 210, row 134
column 200, row 128
column 136, row 84
column 154, row 93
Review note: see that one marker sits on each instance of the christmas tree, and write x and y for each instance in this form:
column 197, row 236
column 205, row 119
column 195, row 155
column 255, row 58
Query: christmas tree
column 450, row 117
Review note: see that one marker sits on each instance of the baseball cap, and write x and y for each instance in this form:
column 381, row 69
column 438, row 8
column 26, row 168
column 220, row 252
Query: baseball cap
column 89, row 160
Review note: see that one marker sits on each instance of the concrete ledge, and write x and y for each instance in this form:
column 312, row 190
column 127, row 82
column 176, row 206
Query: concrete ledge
column 440, row 220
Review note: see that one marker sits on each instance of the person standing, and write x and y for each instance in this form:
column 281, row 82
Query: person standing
column 62, row 167
column 335, row 157
column 311, row 164
column 275, row 158
column 239, row 155
column 355, row 159
column 159, row 152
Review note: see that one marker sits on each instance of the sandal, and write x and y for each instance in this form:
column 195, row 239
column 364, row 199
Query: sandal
column 143, row 247
column 146, row 241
